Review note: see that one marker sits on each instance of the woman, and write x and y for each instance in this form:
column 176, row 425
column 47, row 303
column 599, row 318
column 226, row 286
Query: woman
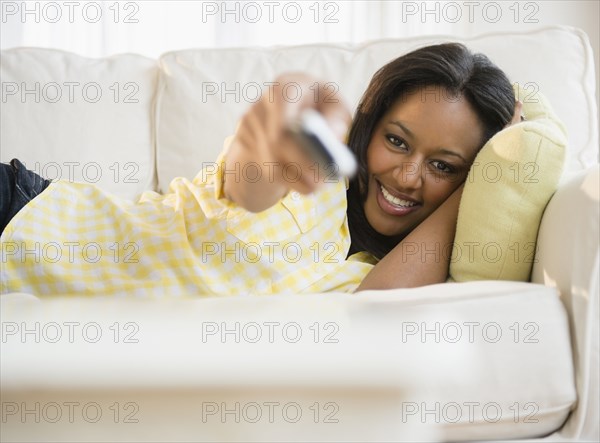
column 417, row 129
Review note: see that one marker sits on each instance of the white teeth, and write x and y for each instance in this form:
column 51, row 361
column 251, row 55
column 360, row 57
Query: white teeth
column 395, row 200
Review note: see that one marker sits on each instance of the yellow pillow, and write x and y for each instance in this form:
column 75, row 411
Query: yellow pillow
column 508, row 187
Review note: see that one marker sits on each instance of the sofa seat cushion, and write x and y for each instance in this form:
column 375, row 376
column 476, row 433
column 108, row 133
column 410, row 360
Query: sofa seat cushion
column 460, row 361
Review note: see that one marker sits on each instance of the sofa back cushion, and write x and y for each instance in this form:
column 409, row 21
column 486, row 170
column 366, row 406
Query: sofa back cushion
column 53, row 119
column 203, row 92
column 81, row 119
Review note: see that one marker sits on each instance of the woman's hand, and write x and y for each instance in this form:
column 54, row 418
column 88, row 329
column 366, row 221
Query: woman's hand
column 262, row 139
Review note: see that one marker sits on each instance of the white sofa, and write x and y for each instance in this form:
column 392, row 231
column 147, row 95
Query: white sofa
column 463, row 361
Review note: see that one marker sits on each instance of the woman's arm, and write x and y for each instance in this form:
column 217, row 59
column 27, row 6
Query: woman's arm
column 423, row 257
column 262, row 140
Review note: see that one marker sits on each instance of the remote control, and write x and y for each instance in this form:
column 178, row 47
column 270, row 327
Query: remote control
column 312, row 132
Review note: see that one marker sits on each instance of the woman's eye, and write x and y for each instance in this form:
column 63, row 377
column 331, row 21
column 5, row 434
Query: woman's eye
column 396, row 141
column 441, row 166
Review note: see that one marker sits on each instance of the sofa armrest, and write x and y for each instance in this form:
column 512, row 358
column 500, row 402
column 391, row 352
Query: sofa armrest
column 568, row 259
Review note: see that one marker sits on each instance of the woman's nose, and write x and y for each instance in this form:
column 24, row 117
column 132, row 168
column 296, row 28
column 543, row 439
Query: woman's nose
column 408, row 175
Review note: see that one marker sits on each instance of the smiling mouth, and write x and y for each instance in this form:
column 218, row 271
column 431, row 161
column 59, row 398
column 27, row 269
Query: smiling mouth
column 398, row 202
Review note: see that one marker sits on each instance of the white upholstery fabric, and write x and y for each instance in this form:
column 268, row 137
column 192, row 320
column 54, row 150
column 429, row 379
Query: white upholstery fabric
column 385, row 367
column 90, row 120
column 568, row 259
column 203, row 92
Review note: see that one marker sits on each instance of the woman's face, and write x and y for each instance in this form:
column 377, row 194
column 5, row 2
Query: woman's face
column 420, row 152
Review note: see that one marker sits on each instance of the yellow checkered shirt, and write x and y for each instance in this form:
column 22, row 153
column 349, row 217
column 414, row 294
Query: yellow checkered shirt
column 76, row 239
